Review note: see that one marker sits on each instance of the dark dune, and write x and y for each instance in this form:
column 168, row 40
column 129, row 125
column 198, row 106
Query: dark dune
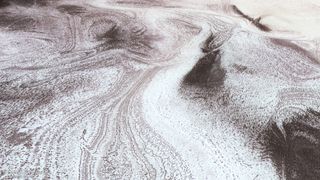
column 296, row 151
column 255, row 22
column 207, row 72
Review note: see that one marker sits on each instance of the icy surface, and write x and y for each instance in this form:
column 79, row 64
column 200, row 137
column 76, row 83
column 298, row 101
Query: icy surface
column 99, row 90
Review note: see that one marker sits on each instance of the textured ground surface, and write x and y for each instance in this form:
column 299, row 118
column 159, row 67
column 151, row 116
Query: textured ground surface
column 154, row 90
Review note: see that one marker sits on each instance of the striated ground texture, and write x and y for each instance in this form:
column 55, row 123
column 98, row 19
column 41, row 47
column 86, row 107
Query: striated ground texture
column 141, row 89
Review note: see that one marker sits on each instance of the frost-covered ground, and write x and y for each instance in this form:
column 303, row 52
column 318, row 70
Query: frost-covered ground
column 107, row 89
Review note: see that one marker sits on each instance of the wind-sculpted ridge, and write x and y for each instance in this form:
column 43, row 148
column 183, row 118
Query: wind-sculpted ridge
column 152, row 90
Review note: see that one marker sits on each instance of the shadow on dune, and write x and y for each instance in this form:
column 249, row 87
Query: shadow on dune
column 295, row 150
column 208, row 71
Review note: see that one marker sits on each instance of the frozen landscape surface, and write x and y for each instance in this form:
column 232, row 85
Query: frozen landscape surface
column 141, row 89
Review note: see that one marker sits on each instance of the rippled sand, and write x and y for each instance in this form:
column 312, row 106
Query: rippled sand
column 159, row 90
